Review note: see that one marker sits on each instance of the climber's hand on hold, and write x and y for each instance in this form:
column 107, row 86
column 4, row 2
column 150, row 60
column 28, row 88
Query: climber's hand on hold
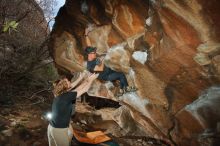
column 89, row 28
column 99, row 67
column 86, row 32
column 98, row 61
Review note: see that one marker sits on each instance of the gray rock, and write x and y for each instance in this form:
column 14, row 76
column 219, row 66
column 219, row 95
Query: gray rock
column 8, row 132
column 13, row 123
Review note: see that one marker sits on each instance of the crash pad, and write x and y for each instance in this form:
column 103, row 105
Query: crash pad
column 94, row 137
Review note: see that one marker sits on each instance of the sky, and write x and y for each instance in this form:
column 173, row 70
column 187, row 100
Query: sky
column 50, row 12
column 60, row 3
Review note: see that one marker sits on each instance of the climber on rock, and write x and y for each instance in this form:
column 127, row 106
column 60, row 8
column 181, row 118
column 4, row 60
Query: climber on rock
column 95, row 64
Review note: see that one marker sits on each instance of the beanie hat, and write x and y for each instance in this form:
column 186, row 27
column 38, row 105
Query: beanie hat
column 90, row 49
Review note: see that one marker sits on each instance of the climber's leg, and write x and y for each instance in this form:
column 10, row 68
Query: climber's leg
column 118, row 76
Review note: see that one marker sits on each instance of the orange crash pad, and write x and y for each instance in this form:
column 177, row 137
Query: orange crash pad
column 94, row 137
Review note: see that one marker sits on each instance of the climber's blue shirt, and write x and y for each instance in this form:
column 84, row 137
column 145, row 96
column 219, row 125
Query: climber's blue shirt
column 103, row 75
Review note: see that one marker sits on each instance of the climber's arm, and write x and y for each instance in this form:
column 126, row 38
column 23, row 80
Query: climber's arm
column 99, row 67
column 79, row 79
column 88, row 41
column 85, row 85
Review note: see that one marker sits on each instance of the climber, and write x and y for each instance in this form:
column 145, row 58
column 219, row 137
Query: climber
column 95, row 64
column 60, row 131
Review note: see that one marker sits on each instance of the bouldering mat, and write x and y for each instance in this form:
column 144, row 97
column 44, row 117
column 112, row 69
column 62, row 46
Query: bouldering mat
column 95, row 138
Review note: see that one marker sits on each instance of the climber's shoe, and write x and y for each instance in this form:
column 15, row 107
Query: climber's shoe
column 120, row 93
column 130, row 89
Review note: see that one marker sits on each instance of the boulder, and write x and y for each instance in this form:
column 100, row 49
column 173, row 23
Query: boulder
column 177, row 43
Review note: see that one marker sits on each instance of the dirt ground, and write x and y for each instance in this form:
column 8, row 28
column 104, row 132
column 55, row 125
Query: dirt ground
column 21, row 123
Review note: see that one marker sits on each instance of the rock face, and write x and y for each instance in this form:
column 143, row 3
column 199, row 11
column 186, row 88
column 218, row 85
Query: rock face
column 168, row 49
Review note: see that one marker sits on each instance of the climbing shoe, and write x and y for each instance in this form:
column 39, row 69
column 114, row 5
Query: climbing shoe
column 120, row 93
column 130, row 89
